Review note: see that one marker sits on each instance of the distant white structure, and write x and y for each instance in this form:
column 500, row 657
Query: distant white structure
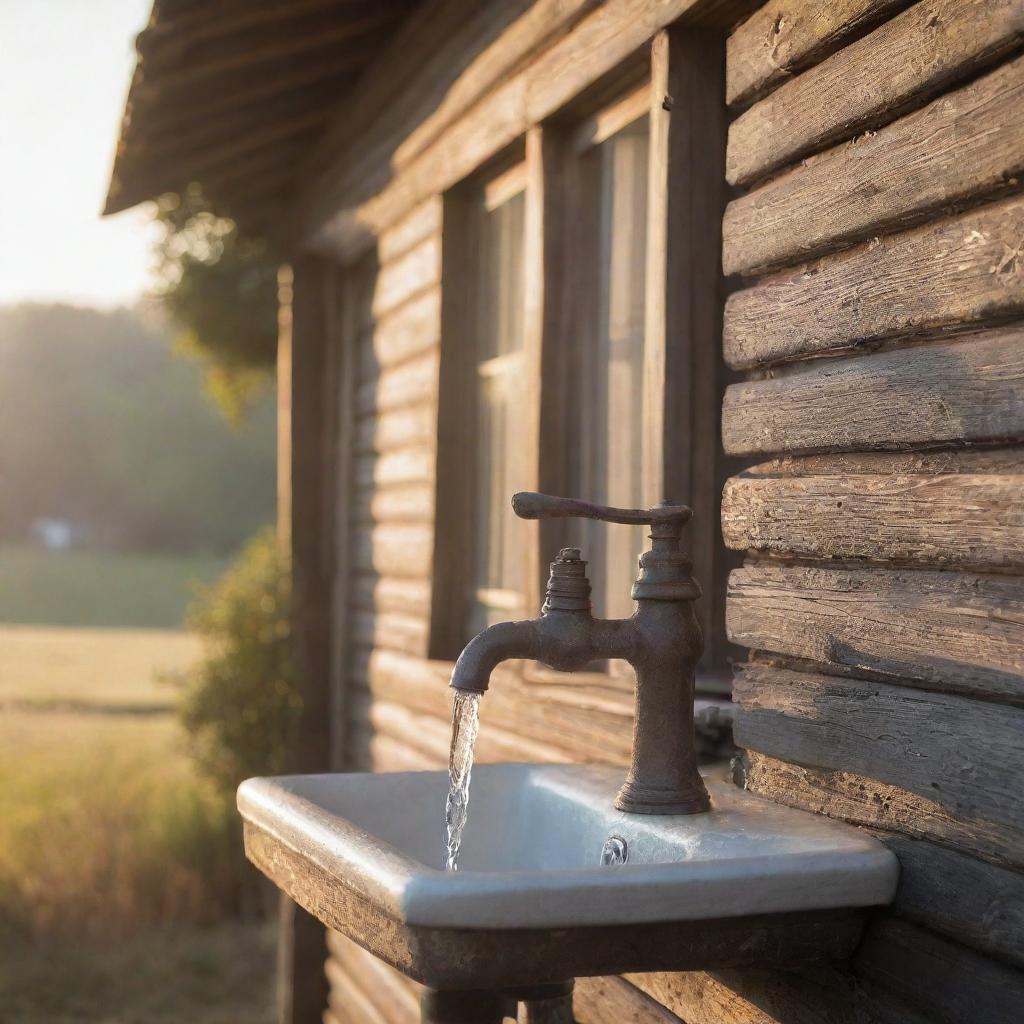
column 53, row 534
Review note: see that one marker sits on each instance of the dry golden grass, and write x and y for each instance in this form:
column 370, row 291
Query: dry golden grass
column 119, row 866
column 111, row 668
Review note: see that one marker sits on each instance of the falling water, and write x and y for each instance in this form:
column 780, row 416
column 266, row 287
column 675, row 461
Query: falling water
column 465, row 725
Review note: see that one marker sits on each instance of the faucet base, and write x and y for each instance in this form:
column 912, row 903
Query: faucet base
column 633, row 799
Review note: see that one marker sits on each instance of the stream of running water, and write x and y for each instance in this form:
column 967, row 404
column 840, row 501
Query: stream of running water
column 465, row 726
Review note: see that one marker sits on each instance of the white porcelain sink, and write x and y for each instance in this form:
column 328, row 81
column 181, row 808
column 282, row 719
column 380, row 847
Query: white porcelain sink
column 750, row 882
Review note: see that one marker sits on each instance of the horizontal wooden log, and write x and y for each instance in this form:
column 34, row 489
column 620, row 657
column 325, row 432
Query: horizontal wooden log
column 411, row 468
column 409, row 331
column 403, row 427
column 941, row 394
column 373, row 751
column 407, row 276
column 944, row 278
column 819, row 995
column 409, row 383
column 389, row 594
column 420, row 223
column 962, row 147
column 580, row 721
column 393, row 631
column 784, row 36
column 944, row 980
column 342, row 209
column 394, row 996
column 394, row 550
column 955, row 632
column 946, row 510
column 928, row 765
column 347, row 1001
column 412, row 502
column 901, row 64
column 975, row 903
column 616, row 1001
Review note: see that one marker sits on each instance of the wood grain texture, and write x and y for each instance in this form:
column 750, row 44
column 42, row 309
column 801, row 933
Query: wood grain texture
column 955, row 632
column 819, row 995
column 975, row 903
column 404, row 466
column 410, row 382
column 960, row 148
column 784, row 36
column 945, row 980
column 394, row 550
column 947, row 510
column 947, row 277
column 616, row 1001
column 902, row 63
column 409, row 331
column 341, row 211
column 928, row 765
column 406, row 276
column 942, row 394
column 411, row 502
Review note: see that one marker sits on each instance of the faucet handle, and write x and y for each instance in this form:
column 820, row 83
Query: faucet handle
column 531, row 505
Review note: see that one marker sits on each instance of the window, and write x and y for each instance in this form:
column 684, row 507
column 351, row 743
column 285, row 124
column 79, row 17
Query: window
column 605, row 386
column 479, row 573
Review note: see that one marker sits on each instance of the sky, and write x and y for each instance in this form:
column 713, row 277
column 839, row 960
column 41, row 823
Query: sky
column 65, row 66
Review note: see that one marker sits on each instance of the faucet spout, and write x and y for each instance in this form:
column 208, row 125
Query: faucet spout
column 497, row 643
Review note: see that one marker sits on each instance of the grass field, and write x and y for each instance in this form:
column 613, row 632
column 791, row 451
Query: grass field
column 118, row 865
column 84, row 588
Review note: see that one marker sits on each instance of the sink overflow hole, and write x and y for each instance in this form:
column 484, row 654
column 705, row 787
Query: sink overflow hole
column 614, row 851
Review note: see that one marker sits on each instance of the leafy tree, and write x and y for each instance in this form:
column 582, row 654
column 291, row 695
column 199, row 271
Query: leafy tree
column 219, row 287
column 241, row 702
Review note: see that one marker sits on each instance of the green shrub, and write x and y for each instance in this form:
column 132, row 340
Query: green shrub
column 241, row 702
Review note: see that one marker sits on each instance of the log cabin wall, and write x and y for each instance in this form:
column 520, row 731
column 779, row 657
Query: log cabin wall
column 877, row 240
column 875, row 150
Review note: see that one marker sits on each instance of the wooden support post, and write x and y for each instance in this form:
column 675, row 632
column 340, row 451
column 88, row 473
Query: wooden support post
column 546, row 343
column 683, row 376
column 302, row 984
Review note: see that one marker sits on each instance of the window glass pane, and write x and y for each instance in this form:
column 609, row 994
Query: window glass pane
column 496, row 584
column 608, row 454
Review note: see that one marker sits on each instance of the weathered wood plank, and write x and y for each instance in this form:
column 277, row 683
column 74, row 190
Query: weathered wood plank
column 338, row 215
column 901, row 64
column 582, row 721
column 389, row 594
column 402, row 550
column 928, row 765
column 394, row 996
column 975, row 903
column 955, row 632
column 947, row 277
column 408, row 383
column 408, row 275
column 949, row 510
column 409, row 331
column 946, row 981
column 784, row 36
column 820, row 995
column 418, row 224
column 406, row 426
column 395, row 631
column 413, row 502
column 400, row 467
column 616, row 1001
column 948, row 393
column 962, row 147
column 347, row 1000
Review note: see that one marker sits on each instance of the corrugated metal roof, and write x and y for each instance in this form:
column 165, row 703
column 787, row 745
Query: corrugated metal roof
column 230, row 94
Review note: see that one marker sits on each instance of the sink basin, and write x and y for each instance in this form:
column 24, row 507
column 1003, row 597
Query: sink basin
column 749, row 882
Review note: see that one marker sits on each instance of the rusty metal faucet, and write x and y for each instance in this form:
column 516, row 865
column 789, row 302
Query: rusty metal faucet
column 662, row 641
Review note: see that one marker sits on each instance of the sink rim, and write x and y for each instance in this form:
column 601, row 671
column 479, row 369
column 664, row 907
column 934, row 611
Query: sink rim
column 860, row 872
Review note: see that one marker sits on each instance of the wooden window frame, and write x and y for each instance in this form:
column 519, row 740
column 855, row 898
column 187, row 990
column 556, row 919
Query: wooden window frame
column 684, row 376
